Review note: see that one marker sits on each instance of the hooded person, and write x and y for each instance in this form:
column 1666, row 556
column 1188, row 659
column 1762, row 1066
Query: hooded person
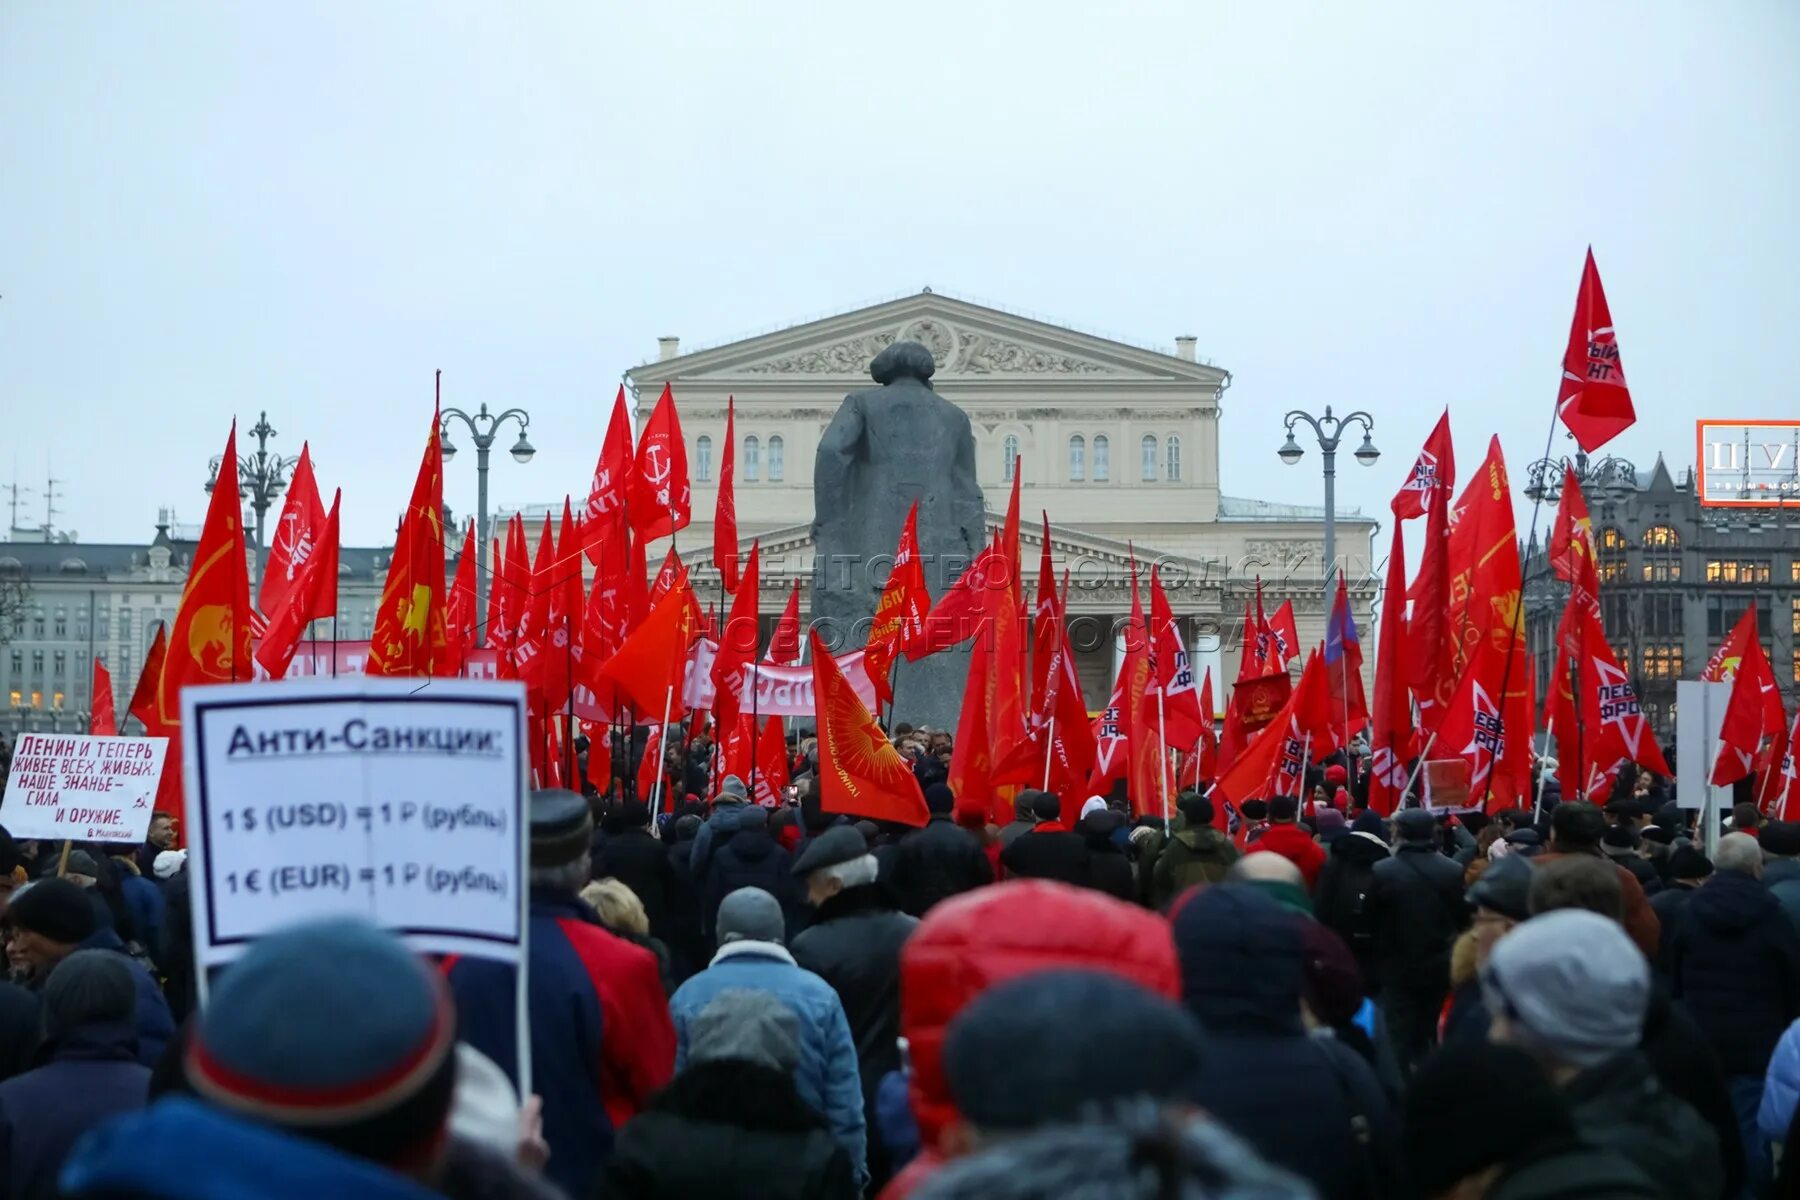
column 733, row 1122
column 733, row 798
column 1570, row 989
column 940, row 860
column 749, row 858
column 1051, row 850
column 1310, row 1105
column 982, row 939
column 601, row 1038
column 88, row 1072
column 1416, row 908
column 52, row 919
column 753, row 957
column 1482, row 1120
column 1195, row 855
column 854, row 945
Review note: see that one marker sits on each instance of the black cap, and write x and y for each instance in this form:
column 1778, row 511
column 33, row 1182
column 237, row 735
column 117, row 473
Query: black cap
column 560, row 827
column 1577, row 825
column 839, row 844
column 1505, row 887
column 1780, row 838
column 1688, row 863
column 1415, row 824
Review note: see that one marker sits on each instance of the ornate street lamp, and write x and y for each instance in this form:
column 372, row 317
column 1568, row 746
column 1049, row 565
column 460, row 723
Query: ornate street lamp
column 1330, row 431
column 482, row 428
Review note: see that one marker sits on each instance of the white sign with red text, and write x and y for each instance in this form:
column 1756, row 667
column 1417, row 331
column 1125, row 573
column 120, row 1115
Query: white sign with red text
column 81, row 788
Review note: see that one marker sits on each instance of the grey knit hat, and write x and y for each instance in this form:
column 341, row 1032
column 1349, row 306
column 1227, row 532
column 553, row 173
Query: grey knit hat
column 750, row 914
column 1572, row 985
column 741, row 1023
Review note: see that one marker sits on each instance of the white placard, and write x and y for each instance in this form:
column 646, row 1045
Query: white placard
column 1699, row 712
column 399, row 800
column 82, row 788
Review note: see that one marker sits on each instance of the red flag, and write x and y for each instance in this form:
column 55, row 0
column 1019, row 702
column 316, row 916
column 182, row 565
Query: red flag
column 603, row 516
column 1274, row 761
column 1287, row 634
column 1269, row 651
column 1769, row 775
column 661, row 501
column 143, row 696
column 528, row 651
column 1009, row 531
column 960, row 611
column 209, row 641
column 607, row 618
column 1593, row 401
column 599, row 755
column 771, row 765
column 900, row 614
column 1723, row 666
column 102, row 716
column 1058, row 748
column 860, row 772
column 972, row 753
column 1392, row 744
column 1433, row 474
column 725, row 529
column 1146, row 778
column 1111, row 736
column 302, row 520
column 566, row 612
column 409, row 637
column 1753, row 712
column 299, row 604
column 649, row 772
column 1006, row 676
column 1184, row 723
column 737, row 746
column 671, row 574
column 1783, row 790
column 460, row 616
column 1343, row 668
column 737, row 647
column 1613, row 726
column 784, row 647
column 499, row 632
column 1572, row 558
column 647, row 669
column 1249, row 659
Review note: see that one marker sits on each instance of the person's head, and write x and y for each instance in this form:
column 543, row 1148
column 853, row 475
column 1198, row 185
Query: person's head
column 1284, row 810
column 733, row 791
column 561, row 831
column 332, row 1030
column 1741, row 853
column 1254, row 810
column 1501, row 899
column 1472, row 1108
column 1045, row 806
column 1196, row 810
column 632, row 814
column 49, row 919
column 1509, row 819
column 837, row 859
column 1625, row 813
column 940, row 800
column 1264, row 866
column 750, row 915
column 1780, row 839
column 163, row 830
column 1688, row 867
column 1330, row 825
column 89, row 987
column 1576, row 827
column 1242, row 957
column 1621, row 842
column 1578, row 882
column 1015, row 1062
column 617, row 906
column 1569, row 988
column 1415, row 827
column 687, row 828
column 1746, row 816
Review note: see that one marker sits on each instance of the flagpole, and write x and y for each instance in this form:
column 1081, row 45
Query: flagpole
column 1575, row 685
column 1162, row 758
column 334, row 638
column 1416, row 771
column 1049, row 749
column 662, row 750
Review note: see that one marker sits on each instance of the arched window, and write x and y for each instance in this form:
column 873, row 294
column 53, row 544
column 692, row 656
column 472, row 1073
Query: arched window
column 1009, row 458
column 703, row 458
column 777, row 459
column 1172, row 455
column 1610, row 554
column 1102, row 459
column 1077, row 458
column 1662, row 554
column 752, row 459
column 1147, row 458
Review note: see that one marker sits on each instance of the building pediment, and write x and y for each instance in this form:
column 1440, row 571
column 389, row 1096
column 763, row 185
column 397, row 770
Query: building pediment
column 971, row 343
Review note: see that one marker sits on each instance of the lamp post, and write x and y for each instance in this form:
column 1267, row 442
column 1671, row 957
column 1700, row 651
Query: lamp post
column 1330, row 430
column 1610, row 478
column 262, row 477
column 482, row 428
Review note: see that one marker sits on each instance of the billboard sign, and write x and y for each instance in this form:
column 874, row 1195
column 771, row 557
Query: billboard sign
column 1747, row 464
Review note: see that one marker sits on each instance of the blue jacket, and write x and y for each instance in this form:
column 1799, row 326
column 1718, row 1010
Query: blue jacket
column 828, row 1077
column 600, row 1035
column 89, row 1074
column 145, row 902
column 155, row 1024
column 720, row 825
column 1781, row 1087
column 179, row 1149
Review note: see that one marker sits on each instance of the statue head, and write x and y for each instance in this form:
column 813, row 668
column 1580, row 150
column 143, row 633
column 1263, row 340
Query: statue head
column 903, row 360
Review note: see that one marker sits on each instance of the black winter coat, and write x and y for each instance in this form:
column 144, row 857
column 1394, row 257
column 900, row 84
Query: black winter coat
column 1735, row 963
column 1572, row 1171
column 1050, row 851
column 854, row 945
column 1109, row 870
column 688, row 947
column 1619, row 1105
column 20, row 1026
column 1418, row 909
column 728, row 1130
column 1668, row 905
column 1341, row 899
column 935, row 863
column 751, row 858
column 1686, row 1065
column 641, row 863
column 1642, row 869
column 89, row 1074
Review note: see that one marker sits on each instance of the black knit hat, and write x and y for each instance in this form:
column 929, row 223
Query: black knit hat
column 1474, row 1104
column 1780, row 838
column 1042, row 1047
column 56, row 909
column 1685, row 862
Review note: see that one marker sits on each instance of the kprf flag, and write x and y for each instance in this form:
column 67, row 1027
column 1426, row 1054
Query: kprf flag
column 143, row 696
column 300, row 603
column 1752, row 713
column 296, row 533
column 860, row 772
column 771, row 765
column 1593, row 401
column 603, row 523
column 102, row 717
column 1183, row 722
column 725, row 527
column 1287, row 633
column 661, row 500
column 1433, row 474
column 410, row 637
column 784, row 646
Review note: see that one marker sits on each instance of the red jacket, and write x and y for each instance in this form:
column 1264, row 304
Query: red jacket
column 1296, row 845
column 971, row 942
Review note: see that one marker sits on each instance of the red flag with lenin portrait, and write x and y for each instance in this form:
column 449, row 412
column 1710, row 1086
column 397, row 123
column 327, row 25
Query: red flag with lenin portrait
column 1593, row 400
column 860, row 771
column 661, row 500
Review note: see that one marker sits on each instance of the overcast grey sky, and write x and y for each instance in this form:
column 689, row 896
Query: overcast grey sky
column 208, row 209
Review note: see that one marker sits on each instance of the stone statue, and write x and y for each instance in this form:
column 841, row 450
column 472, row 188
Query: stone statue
column 887, row 447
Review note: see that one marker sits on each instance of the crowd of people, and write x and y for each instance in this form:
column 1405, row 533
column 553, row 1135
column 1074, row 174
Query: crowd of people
column 1303, row 998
